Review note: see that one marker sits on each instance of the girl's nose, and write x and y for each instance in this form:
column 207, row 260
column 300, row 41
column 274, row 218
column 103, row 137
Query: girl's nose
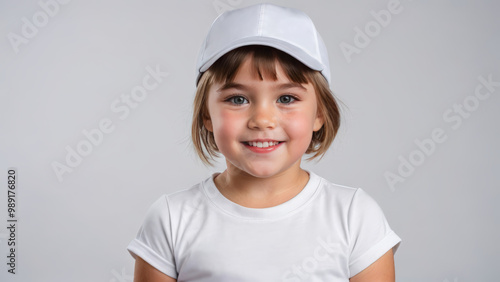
column 263, row 117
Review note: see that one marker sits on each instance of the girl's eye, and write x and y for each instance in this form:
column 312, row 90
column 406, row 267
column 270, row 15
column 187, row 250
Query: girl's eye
column 237, row 100
column 286, row 99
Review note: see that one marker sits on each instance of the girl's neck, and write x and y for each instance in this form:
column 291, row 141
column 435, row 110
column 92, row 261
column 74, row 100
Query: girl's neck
column 253, row 192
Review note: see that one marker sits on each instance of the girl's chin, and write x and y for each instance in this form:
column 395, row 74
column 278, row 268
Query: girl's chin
column 259, row 171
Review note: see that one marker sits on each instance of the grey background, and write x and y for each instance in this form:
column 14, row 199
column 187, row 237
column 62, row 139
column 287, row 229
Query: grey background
column 65, row 78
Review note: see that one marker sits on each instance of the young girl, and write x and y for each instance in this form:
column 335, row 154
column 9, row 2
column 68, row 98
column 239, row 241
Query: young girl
column 263, row 100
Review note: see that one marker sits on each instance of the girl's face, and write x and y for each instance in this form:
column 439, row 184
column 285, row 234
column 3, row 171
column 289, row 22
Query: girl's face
column 262, row 127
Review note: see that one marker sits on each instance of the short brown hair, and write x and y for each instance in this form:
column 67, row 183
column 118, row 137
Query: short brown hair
column 264, row 61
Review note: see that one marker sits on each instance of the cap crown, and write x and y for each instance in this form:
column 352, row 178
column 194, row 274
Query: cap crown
column 285, row 29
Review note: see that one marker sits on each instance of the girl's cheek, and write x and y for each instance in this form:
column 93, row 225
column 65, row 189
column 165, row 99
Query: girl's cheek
column 299, row 125
column 227, row 118
column 227, row 122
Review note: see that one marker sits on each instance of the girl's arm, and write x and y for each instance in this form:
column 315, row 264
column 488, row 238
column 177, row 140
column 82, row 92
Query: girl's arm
column 144, row 272
column 382, row 270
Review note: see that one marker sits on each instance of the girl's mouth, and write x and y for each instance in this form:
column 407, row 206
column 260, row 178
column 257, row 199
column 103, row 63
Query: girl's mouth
column 262, row 147
column 259, row 144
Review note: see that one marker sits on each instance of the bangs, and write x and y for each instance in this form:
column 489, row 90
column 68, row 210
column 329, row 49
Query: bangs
column 264, row 60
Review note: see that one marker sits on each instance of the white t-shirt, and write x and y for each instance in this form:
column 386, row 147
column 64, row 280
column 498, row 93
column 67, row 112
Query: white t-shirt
column 327, row 232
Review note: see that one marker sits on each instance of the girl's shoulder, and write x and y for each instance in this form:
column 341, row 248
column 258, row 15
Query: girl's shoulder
column 343, row 195
column 333, row 188
column 182, row 199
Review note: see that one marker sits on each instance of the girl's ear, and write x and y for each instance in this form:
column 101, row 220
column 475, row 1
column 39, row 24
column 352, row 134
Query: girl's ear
column 207, row 122
column 318, row 122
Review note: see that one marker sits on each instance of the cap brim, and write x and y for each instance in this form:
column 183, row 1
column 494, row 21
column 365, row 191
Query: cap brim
column 284, row 46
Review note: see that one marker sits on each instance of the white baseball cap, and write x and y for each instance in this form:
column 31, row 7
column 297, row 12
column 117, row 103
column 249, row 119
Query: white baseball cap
column 285, row 29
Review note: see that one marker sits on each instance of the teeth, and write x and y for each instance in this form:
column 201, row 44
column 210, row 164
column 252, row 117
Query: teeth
column 263, row 144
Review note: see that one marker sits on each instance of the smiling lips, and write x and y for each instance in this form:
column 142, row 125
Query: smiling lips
column 262, row 146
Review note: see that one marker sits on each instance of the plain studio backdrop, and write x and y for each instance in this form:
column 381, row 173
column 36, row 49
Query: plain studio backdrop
column 95, row 114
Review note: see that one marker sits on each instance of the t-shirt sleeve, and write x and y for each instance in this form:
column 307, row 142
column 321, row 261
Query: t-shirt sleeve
column 369, row 232
column 153, row 242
